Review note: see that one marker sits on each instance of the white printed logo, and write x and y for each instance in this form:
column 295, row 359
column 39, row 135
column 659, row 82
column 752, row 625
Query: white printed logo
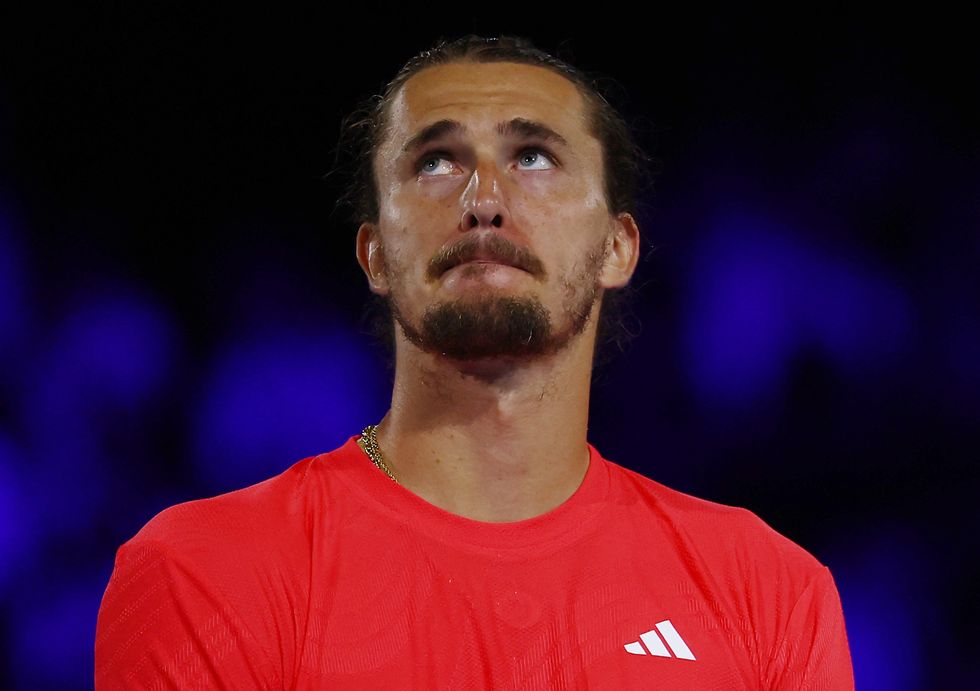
column 651, row 639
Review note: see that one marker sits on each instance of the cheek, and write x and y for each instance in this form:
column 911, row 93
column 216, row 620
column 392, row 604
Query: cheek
column 428, row 190
column 406, row 260
column 392, row 212
column 416, row 226
column 538, row 208
column 394, row 251
column 439, row 190
column 557, row 216
column 560, row 195
column 545, row 187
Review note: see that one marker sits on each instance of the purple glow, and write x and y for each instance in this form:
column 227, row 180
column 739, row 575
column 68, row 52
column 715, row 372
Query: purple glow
column 105, row 363
column 884, row 581
column 740, row 329
column 18, row 532
column 119, row 347
column 759, row 295
column 859, row 319
column 58, row 624
column 279, row 398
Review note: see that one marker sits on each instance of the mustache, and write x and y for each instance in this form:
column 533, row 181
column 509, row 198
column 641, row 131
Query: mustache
column 492, row 247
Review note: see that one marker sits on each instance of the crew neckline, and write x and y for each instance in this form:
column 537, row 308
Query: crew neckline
column 555, row 528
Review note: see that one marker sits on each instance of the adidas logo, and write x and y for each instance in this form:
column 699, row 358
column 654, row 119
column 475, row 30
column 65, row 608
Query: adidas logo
column 651, row 639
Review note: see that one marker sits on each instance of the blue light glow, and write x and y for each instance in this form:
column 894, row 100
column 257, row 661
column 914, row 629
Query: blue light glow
column 273, row 400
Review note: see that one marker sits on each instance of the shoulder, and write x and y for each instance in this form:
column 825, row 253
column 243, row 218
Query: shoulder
column 754, row 577
column 733, row 535
column 221, row 579
column 257, row 521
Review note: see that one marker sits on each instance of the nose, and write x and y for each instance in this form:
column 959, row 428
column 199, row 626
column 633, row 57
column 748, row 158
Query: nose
column 483, row 201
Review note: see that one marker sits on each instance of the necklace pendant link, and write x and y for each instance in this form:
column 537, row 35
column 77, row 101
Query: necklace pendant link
column 369, row 443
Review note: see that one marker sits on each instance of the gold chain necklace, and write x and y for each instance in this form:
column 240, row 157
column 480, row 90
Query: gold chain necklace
column 369, row 442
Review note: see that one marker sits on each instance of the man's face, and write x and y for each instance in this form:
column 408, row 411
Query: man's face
column 493, row 230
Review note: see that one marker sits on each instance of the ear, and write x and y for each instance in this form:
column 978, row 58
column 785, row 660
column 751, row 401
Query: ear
column 371, row 259
column 624, row 252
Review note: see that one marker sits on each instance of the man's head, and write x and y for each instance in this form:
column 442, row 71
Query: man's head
column 492, row 150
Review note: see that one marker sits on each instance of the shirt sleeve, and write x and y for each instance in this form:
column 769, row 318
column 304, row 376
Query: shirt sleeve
column 165, row 625
column 813, row 655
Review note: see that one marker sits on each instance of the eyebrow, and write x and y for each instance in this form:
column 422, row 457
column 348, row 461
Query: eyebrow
column 517, row 127
column 436, row 130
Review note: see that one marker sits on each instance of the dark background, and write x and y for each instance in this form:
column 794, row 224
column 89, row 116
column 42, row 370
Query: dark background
column 180, row 309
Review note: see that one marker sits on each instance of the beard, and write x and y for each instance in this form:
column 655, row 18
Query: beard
column 505, row 326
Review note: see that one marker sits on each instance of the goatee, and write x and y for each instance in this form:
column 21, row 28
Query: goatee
column 497, row 326
column 489, row 327
column 506, row 326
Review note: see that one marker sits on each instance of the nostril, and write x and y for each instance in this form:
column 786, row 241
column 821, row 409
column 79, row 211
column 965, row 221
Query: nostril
column 474, row 219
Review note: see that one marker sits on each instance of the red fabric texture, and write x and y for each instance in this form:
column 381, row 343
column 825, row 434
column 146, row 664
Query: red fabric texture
column 331, row 576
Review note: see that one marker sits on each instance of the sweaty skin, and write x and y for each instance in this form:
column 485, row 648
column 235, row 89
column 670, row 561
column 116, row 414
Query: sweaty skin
column 498, row 438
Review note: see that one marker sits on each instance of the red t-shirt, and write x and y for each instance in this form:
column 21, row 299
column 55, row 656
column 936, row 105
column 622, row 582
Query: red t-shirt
column 331, row 576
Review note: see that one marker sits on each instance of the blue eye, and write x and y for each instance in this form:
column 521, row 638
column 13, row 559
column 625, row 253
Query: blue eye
column 534, row 159
column 435, row 165
column 439, row 163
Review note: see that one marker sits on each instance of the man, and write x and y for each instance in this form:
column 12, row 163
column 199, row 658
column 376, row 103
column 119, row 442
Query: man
column 474, row 539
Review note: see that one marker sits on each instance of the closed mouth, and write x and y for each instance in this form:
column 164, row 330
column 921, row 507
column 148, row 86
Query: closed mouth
column 483, row 261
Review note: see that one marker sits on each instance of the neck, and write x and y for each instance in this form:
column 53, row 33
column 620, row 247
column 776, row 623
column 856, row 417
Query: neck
column 494, row 441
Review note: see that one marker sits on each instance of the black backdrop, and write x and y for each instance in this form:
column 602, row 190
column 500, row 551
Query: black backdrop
column 810, row 332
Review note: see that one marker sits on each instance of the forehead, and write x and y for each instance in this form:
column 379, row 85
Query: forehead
column 483, row 94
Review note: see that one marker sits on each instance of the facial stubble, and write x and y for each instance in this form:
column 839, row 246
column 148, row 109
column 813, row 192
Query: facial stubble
column 491, row 325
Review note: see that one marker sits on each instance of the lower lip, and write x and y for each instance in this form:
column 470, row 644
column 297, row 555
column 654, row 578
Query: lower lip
column 489, row 272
